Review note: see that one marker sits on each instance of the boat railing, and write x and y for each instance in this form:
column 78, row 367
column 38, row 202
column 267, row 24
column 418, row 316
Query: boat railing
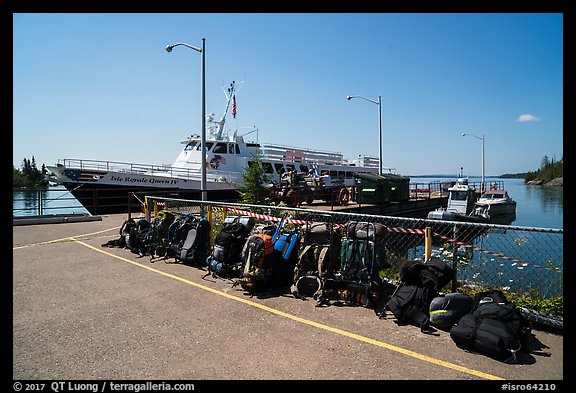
column 488, row 185
column 294, row 154
column 427, row 190
column 148, row 169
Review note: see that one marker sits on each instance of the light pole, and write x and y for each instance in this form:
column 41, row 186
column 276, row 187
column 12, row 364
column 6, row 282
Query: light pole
column 482, row 139
column 379, row 103
column 202, row 50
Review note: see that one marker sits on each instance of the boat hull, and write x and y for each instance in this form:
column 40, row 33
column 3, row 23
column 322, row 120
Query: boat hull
column 100, row 199
column 453, row 216
column 498, row 209
column 104, row 192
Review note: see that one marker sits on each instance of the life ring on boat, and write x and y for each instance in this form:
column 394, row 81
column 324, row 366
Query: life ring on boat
column 344, row 196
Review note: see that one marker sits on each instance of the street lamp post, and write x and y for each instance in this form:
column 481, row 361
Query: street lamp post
column 379, row 103
column 203, row 187
column 482, row 139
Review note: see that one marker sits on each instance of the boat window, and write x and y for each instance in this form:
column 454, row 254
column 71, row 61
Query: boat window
column 208, row 145
column 220, row 148
column 267, row 167
column 459, row 195
column 279, row 168
column 252, row 164
column 233, row 148
column 290, row 167
column 334, row 173
column 349, row 175
column 190, row 146
column 303, row 168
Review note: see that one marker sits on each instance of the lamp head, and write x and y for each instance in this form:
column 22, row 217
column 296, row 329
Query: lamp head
column 169, row 48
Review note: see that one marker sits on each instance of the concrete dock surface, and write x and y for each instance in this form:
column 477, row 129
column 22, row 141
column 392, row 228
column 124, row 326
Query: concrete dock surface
column 82, row 311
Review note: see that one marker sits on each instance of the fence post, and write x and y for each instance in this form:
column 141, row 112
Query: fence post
column 40, row 211
column 146, row 209
column 455, row 259
column 427, row 243
column 209, row 217
column 155, row 209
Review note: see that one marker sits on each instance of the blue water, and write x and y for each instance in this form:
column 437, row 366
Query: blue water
column 537, row 206
column 54, row 200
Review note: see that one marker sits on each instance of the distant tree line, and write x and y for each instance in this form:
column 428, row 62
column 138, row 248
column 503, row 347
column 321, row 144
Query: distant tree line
column 549, row 170
column 29, row 175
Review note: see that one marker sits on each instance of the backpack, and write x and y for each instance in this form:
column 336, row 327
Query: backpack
column 447, row 309
column 226, row 256
column 189, row 239
column 362, row 258
column 420, row 283
column 138, row 237
column 258, row 260
column 160, row 229
column 318, row 258
column 124, row 234
column 286, row 245
column 495, row 328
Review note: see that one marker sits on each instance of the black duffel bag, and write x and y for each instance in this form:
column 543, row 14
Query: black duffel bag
column 495, row 328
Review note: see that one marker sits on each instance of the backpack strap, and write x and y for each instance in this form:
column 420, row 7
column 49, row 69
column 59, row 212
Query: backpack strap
column 321, row 260
column 303, row 253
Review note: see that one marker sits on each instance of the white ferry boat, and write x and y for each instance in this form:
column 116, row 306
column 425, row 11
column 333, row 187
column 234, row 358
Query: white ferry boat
column 104, row 187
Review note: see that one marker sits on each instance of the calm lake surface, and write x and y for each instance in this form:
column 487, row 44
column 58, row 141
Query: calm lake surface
column 537, row 206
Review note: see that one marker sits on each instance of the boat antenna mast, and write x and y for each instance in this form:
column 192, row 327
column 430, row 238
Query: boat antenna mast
column 230, row 93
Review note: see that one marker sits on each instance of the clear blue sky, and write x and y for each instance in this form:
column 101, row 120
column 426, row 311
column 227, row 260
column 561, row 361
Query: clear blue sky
column 102, row 86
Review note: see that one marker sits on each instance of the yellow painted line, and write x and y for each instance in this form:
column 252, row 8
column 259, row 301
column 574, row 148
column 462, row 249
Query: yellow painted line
column 64, row 239
column 305, row 321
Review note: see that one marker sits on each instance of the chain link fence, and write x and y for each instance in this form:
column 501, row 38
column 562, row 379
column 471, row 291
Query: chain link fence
column 516, row 259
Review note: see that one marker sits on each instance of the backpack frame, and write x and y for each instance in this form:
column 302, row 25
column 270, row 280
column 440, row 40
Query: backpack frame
column 318, row 259
column 361, row 252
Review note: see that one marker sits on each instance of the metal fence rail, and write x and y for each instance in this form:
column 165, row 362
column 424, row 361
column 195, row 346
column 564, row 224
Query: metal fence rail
column 33, row 201
column 518, row 259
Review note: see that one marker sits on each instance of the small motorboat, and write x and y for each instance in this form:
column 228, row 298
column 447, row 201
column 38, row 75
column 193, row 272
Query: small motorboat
column 495, row 203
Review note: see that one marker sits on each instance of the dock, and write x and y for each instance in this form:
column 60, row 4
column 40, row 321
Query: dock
column 413, row 207
column 86, row 312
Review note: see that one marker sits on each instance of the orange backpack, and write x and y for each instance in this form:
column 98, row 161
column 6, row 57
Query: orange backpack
column 257, row 262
